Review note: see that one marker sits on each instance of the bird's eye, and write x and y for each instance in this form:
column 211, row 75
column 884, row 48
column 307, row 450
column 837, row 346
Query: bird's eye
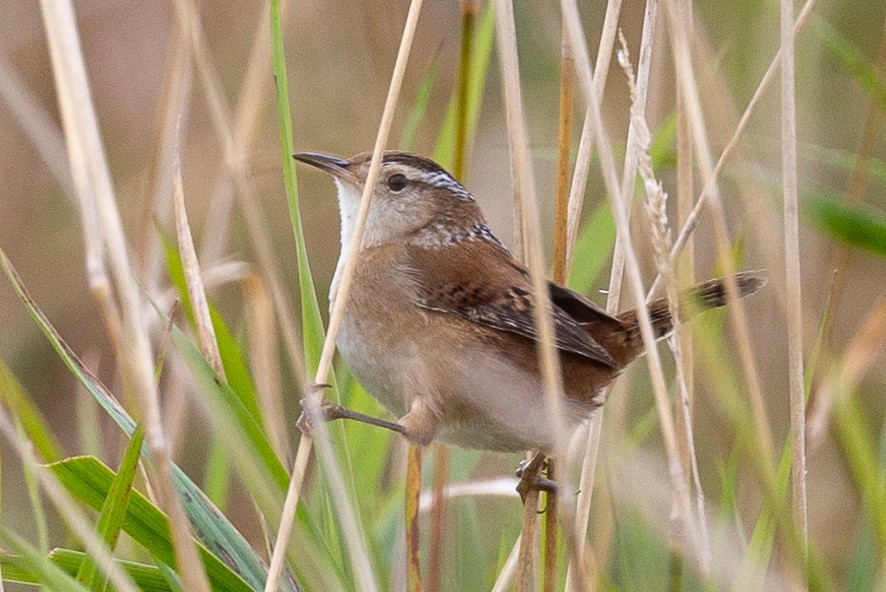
column 397, row 182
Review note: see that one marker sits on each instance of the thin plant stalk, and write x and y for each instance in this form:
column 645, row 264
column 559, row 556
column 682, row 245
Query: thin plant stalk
column 100, row 211
column 235, row 158
column 792, row 270
column 586, row 486
column 411, row 512
column 172, row 108
column 711, row 180
column 586, row 143
column 561, row 223
column 656, row 209
column 363, row 568
column 441, row 451
column 585, row 75
column 193, row 278
column 524, row 187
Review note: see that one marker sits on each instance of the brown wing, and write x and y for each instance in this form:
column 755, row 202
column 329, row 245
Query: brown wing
column 497, row 294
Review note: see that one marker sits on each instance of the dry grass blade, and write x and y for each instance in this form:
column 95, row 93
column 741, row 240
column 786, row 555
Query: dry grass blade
column 102, row 218
column 411, row 506
column 686, row 80
column 527, row 205
column 586, row 143
column 175, row 97
column 193, row 278
column 711, row 179
column 235, row 158
column 656, row 210
column 583, row 65
column 37, row 124
column 361, row 560
column 586, row 486
column 792, row 269
column 264, row 361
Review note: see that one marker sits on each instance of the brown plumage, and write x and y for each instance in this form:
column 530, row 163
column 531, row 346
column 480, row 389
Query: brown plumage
column 439, row 323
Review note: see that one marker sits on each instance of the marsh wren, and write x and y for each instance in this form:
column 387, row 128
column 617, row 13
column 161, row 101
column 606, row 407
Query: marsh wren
column 439, row 320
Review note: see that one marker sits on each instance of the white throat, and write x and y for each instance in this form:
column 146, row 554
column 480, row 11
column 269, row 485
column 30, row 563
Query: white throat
column 348, row 205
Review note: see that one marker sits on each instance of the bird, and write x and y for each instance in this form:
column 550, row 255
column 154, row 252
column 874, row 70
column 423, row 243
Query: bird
column 439, row 327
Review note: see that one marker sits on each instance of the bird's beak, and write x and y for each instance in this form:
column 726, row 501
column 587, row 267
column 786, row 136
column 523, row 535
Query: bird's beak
column 337, row 167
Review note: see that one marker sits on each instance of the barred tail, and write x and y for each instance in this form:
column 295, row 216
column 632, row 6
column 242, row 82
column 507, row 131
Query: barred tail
column 710, row 294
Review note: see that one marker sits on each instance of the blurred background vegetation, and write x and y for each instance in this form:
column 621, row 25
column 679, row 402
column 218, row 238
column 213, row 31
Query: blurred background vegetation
column 339, row 56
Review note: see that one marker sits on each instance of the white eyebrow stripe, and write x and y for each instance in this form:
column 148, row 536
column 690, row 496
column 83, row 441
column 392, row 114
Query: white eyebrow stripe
column 445, row 181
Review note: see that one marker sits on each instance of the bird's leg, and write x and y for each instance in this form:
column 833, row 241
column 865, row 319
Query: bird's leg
column 529, row 473
column 329, row 411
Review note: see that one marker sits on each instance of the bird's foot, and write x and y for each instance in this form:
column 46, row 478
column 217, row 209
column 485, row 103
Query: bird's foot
column 530, row 474
column 325, row 411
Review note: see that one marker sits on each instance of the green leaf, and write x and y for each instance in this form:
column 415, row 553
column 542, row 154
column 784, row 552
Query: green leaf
column 110, row 520
column 90, row 481
column 146, row 577
column 857, row 224
column 858, row 65
column 208, row 523
column 593, row 249
column 33, row 566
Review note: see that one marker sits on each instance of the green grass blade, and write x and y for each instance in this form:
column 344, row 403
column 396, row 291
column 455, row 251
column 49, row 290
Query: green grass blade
column 110, row 520
column 208, row 523
column 147, row 577
column 857, row 224
column 314, row 333
column 593, row 249
column 233, row 360
column 16, row 400
column 444, row 152
column 422, row 98
column 33, row 566
column 90, row 481
column 263, row 474
column 853, row 60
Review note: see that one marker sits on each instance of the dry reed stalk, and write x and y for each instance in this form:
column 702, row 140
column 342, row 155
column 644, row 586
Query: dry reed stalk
column 524, row 187
column 264, row 362
column 735, row 309
column 564, row 144
column 441, row 451
column 561, row 224
column 247, row 117
column 856, row 187
column 362, row 565
column 710, row 180
column 193, row 278
column 410, row 507
column 685, row 267
column 586, row 486
column 67, row 507
column 102, row 220
column 438, row 518
column 586, row 143
column 583, row 64
column 792, row 270
column 526, row 567
column 235, row 159
column 656, row 210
